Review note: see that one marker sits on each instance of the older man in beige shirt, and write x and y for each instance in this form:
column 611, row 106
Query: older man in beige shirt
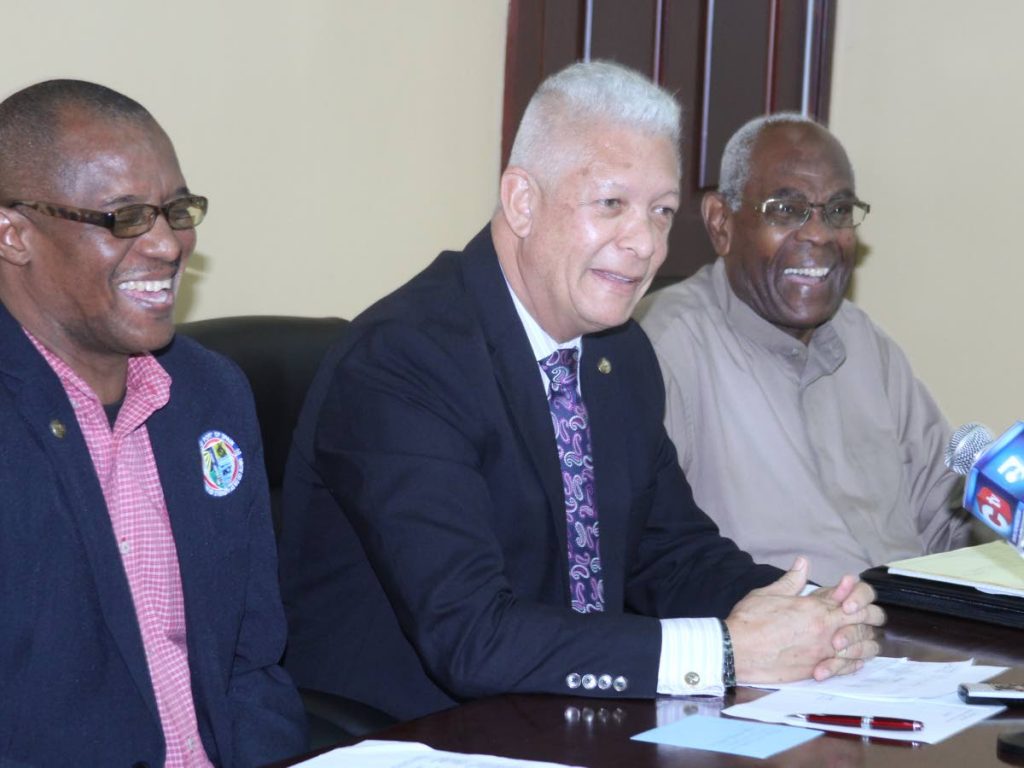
column 798, row 422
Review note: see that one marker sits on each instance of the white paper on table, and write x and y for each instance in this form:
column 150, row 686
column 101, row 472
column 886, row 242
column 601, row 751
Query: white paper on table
column 941, row 718
column 411, row 754
column 889, row 678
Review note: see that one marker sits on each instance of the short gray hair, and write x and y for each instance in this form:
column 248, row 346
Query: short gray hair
column 585, row 93
column 735, row 171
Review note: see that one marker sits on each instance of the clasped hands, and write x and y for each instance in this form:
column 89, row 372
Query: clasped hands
column 780, row 636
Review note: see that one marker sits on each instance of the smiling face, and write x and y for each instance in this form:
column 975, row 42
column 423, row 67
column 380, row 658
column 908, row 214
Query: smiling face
column 92, row 298
column 591, row 238
column 795, row 278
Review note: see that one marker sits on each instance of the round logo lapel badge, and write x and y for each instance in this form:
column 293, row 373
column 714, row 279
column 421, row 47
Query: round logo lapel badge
column 222, row 463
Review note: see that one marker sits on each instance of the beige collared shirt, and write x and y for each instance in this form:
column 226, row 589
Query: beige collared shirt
column 831, row 449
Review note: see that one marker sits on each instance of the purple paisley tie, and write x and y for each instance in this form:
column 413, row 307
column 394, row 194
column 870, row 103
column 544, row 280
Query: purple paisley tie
column 572, row 433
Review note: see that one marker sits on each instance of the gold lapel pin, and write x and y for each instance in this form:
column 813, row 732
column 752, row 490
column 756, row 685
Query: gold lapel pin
column 604, row 365
column 57, row 429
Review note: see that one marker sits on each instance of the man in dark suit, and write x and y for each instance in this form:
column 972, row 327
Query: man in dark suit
column 142, row 623
column 459, row 522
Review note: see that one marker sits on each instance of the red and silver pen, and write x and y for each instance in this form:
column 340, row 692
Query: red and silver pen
column 856, row 721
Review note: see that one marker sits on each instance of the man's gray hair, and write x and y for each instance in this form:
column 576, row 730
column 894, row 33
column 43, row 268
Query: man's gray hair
column 581, row 95
column 735, row 171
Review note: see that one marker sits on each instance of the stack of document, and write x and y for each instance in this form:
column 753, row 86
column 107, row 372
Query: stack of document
column 996, row 568
column 881, row 689
column 411, row 754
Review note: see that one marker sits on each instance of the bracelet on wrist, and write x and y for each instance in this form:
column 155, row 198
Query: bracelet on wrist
column 728, row 658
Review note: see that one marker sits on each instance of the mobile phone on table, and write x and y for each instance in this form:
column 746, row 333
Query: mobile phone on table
column 1009, row 694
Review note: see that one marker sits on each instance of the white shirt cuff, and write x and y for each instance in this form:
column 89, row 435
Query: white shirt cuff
column 691, row 658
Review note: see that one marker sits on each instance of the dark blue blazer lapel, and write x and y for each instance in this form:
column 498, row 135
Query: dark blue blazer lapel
column 516, row 372
column 210, row 532
column 609, row 430
column 40, row 398
column 174, row 434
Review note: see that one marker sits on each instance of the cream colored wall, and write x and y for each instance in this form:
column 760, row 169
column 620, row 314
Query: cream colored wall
column 928, row 96
column 342, row 143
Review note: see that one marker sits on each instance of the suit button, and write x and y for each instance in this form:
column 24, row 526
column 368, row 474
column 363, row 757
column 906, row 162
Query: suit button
column 620, row 684
column 573, row 680
column 692, row 679
column 604, row 682
column 589, row 682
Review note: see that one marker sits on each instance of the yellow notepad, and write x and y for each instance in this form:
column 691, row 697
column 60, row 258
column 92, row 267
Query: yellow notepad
column 996, row 568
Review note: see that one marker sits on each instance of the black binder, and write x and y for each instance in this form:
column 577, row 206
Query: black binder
column 941, row 597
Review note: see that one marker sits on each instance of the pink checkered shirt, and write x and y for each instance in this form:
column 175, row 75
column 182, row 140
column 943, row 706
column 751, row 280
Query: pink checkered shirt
column 124, row 462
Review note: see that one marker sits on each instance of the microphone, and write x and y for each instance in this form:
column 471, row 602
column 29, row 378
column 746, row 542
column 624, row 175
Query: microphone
column 994, row 467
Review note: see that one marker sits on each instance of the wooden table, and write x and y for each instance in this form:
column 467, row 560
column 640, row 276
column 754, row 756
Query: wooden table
column 596, row 733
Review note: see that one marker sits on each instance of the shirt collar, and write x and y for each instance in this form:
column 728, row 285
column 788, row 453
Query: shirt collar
column 825, row 350
column 148, row 385
column 540, row 342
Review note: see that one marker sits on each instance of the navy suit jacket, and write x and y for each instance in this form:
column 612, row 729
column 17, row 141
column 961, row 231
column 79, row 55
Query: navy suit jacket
column 74, row 685
column 424, row 546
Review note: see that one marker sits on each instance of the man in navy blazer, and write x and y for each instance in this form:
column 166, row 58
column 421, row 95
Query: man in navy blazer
column 142, row 622
column 424, row 551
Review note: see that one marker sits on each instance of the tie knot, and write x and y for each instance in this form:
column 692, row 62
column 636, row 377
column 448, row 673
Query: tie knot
column 561, row 367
